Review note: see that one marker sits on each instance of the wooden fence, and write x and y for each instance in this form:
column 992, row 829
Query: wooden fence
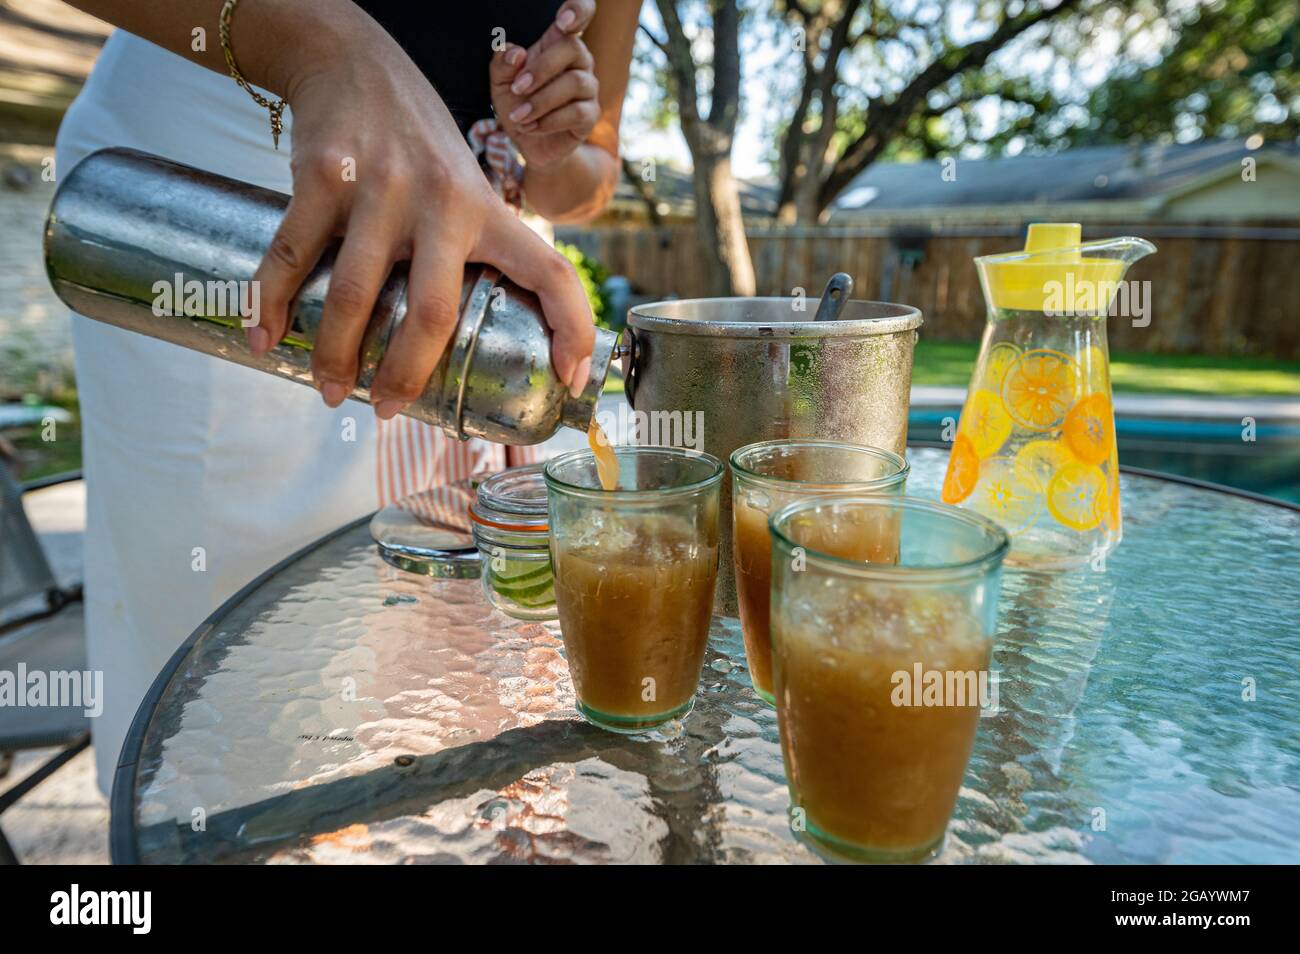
column 1213, row 290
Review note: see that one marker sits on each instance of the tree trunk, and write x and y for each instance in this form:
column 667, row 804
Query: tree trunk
column 728, row 226
column 719, row 225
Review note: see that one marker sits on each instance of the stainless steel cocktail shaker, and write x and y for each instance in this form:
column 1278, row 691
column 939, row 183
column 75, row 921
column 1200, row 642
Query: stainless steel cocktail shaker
column 159, row 248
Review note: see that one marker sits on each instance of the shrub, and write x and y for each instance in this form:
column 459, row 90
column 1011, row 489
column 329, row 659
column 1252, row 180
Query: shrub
column 593, row 276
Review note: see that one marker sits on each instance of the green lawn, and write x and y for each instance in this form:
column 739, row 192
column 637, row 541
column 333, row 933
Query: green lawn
column 42, row 458
column 949, row 363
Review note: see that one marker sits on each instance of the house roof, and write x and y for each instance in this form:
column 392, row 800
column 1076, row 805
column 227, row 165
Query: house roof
column 675, row 194
column 1073, row 180
column 1085, row 174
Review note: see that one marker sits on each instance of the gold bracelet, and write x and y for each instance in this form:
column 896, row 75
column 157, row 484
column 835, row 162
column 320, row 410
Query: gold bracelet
column 277, row 108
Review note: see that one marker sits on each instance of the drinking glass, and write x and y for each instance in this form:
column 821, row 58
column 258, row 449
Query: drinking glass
column 765, row 477
column 635, row 569
column 880, row 668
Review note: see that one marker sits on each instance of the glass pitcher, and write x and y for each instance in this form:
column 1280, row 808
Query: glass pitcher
column 1035, row 446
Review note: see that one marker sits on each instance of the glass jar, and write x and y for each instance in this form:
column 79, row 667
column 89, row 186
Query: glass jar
column 635, row 570
column 764, row 478
column 513, row 534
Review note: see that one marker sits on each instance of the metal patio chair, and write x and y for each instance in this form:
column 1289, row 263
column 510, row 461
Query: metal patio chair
column 47, row 637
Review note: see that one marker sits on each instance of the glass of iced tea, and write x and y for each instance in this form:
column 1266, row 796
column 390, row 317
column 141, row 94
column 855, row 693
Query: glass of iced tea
column 881, row 669
column 635, row 568
column 764, row 478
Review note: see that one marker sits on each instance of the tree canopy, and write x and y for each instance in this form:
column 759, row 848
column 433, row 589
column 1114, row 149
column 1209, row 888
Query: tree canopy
column 851, row 82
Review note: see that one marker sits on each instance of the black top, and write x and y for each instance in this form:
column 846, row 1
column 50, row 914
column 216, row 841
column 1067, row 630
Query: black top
column 451, row 43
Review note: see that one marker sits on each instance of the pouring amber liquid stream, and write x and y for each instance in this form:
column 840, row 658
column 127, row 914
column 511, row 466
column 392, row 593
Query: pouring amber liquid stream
column 606, row 461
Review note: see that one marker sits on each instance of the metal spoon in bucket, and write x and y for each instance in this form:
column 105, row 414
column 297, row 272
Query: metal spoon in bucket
column 837, row 292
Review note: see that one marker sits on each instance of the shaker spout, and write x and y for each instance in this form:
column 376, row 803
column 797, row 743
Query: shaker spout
column 578, row 412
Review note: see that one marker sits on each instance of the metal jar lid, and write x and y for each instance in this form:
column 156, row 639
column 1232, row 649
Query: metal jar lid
column 429, row 532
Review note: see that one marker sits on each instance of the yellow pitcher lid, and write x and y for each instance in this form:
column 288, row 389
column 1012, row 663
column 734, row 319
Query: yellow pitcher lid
column 1052, row 274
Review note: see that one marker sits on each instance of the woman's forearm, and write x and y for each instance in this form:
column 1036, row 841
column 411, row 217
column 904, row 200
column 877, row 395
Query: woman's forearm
column 575, row 189
column 275, row 41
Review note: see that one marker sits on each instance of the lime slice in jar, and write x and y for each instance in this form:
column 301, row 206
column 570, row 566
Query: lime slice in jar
column 543, row 594
column 516, row 572
column 526, row 583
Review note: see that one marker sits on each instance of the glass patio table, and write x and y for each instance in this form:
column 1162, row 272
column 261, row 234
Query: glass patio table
column 341, row 710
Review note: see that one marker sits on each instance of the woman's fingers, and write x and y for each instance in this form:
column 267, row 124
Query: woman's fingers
column 520, row 253
column 569, row 86
column 544, row 65
column 574, row 16
column 432, row 310
column 570, row 20
column 502, row 70
column 306, row 229
column 579, row 118
column 504, row 66
column 362, row 265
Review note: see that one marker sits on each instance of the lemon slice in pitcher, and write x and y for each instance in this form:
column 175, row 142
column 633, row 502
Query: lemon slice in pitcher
column 1078, row 496
column 998, row 362
column 1038, row 461
column 1089, row 429
column 1040, row 388
column 1006, row 496
column 963, row 471
column 985, row 421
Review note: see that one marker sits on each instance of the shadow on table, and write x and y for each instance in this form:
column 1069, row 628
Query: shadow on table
column 410, row 785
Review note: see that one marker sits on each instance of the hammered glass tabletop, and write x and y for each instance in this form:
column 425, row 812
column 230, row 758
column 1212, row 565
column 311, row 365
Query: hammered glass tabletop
column 343, row 710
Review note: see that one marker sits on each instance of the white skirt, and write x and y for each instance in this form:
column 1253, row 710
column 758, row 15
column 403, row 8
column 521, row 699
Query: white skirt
column 201, row 474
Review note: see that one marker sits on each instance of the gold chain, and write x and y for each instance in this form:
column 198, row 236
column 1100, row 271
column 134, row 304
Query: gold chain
column 276, row 108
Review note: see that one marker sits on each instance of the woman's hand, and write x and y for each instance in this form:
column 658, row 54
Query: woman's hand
column 378, row 159
column 546, row 97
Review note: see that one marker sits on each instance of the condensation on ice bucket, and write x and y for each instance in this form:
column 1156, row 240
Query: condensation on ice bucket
column 757, row 369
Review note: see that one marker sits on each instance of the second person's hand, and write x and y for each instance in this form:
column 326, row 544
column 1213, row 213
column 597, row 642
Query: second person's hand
column 546, row 97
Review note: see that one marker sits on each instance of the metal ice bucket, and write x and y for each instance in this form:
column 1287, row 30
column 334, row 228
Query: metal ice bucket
column 755, row 369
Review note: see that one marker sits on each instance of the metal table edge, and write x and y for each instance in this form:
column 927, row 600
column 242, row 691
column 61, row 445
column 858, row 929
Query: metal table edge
column 121, row 826
column 1210, row 485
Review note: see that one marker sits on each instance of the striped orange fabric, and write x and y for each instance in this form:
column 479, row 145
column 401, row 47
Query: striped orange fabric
column 414, row 456
column 518, row 456
column 446, row 506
